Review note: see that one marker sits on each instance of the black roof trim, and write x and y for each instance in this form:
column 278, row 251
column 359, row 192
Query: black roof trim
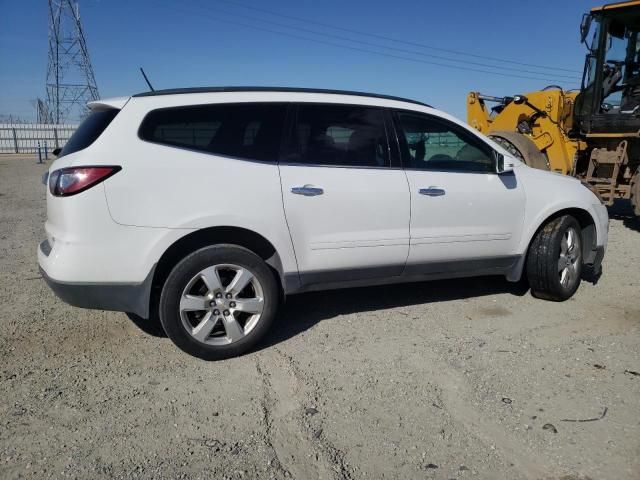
column 177, row 91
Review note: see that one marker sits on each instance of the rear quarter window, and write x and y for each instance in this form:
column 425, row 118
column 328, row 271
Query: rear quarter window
column 245, row 130
column 89, row 130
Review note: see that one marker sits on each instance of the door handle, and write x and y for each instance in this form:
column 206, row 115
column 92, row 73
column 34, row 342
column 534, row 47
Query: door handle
column 307, row 191
column 432, row 191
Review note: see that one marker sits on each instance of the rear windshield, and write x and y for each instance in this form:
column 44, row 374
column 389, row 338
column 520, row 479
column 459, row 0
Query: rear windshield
column 89, row 130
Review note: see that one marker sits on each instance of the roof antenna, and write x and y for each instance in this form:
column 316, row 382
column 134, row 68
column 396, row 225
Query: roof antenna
column 147, row 80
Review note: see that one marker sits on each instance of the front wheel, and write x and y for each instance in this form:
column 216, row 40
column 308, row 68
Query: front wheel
column 218, row 302
column 554, row 262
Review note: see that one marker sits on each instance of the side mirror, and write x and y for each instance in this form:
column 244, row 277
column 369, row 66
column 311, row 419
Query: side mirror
column 56, row 151
column 585, row 26
column 502, row 163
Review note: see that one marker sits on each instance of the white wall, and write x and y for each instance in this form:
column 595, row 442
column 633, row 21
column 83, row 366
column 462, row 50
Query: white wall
column 24, row 137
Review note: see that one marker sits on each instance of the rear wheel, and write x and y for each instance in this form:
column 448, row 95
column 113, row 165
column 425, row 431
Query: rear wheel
column 554, row 262
column 218, row 302
column 522, row 148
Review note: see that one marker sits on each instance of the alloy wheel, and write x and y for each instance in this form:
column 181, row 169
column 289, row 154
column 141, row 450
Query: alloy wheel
column 221, row 304
column 569, row 258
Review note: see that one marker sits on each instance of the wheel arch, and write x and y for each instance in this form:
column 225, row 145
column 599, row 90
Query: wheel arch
column 193, row 241
column 587, row 225
column 588, row 230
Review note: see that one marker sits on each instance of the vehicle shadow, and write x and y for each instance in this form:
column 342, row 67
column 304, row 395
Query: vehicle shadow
column 301, row 312
column 622, row 210
column 150, row 326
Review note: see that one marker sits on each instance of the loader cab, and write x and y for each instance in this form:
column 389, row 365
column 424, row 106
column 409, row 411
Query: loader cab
column 609, row 98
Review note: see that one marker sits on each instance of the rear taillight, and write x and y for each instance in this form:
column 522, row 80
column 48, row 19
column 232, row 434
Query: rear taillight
column 72, row 180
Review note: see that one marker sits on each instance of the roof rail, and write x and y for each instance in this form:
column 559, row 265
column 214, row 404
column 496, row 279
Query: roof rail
column 179, row 91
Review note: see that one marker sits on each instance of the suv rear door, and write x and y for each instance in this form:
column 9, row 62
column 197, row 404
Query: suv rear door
column 199, row 166
column 346, row 207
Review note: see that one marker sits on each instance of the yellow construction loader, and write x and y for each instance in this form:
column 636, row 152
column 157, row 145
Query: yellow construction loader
column 592, row 133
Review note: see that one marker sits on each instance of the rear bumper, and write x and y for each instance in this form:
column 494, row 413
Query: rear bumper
column 119, row 297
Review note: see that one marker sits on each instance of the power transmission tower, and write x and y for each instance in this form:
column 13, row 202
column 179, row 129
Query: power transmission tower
column 43, row 114
column 70, row 79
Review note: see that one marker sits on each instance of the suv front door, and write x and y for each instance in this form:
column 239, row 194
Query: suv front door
column 347, row 209
column 464, row 216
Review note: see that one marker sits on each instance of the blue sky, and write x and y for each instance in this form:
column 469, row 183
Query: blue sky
column 200, row 42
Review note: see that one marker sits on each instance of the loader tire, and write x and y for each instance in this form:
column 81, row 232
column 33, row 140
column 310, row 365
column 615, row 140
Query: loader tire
column 635, row 193
column 522, row 148
column 554, row 260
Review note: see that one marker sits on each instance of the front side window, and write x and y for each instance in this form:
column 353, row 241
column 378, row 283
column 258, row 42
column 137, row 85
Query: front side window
column 245, row 130
column 339, row 135
column 429, row 143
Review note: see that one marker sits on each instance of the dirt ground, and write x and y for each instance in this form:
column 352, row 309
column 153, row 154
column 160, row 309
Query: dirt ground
column 447, row 380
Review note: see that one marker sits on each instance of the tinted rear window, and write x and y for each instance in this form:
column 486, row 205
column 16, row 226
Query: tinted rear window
column 89, row 130
column 245, row 130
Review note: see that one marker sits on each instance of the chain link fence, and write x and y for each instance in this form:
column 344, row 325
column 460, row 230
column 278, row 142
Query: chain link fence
column 28, row 137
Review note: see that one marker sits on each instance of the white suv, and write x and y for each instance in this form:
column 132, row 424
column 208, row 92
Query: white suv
column 209, row 205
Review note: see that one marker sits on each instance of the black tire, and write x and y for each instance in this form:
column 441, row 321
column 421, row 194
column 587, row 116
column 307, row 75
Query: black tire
column 544, row 257
column 521, row 147
column 181, row 276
